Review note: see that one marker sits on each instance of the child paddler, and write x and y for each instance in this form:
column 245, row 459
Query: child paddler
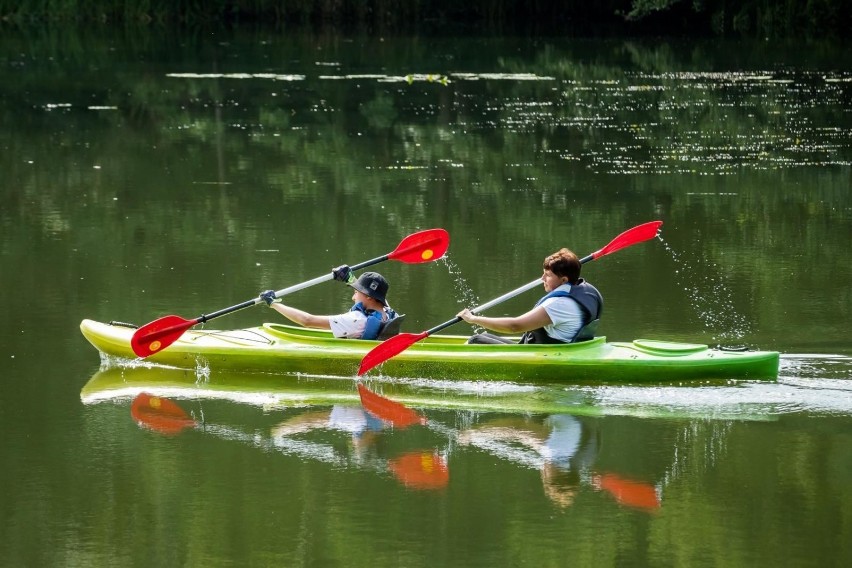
column 365, row 319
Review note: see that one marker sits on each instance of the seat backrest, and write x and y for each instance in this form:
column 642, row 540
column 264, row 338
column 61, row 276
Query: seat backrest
column 587, row 332
column 391, row 328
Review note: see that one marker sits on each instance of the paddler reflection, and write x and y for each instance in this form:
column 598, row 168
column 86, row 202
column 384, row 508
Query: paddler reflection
column 563, row 451
column 418, row 469
column 361, row 427
column 557, row 446
column 312, row 435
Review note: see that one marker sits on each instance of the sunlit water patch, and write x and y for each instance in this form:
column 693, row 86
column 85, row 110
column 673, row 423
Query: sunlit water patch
column 501, row 77
column 259, row 399
column 710, row 400
column 268, row 76
column 697, row 123
column 479, row 388
column 757, row 120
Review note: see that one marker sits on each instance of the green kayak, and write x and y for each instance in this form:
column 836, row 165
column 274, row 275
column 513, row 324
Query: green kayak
column 282, row 348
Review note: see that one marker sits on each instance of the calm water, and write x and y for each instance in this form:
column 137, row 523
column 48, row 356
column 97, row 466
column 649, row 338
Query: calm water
column 146, row 174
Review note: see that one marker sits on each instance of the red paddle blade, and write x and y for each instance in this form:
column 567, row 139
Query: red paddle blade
column 159, row 414
column 387, row 410
column 423, row 246
column 384, row 351
column 159, row 334
column 637, row 234
column 628, row 492
column 421, row 470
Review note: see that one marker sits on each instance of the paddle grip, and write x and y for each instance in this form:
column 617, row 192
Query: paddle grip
column 444, row 325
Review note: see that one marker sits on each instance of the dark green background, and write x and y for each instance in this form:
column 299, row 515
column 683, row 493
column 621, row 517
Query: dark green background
column 147, row 174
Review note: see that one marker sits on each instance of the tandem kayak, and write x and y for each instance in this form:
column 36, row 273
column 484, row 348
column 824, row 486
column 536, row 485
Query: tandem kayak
column 280, row 348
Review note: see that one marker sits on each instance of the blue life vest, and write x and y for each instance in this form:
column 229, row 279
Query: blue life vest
column 586, row 295
column 374, row 320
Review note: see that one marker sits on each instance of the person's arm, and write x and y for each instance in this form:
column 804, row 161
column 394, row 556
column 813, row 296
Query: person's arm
column 533, row 319
column 302, row 317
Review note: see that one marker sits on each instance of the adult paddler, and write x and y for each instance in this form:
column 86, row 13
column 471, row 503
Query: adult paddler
column 563, row 315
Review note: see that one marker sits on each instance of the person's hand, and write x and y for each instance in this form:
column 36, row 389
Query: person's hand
column 269, row 297
column 343, row 274
column 465, row 314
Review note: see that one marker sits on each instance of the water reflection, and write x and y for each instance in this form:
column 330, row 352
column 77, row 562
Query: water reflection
column 558, row 446
column 350, row 453
column 555, row 446
column 313, row 435
column 415, row 469
column 562, row 448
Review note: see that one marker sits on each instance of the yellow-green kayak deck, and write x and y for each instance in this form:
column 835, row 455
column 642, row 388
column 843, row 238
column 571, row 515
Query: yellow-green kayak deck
column 282, row 348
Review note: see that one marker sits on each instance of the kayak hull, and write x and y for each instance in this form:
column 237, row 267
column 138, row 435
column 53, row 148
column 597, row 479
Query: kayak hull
column 279, row 348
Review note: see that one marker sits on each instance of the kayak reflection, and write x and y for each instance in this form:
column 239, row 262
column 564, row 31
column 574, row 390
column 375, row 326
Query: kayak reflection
column 320, row 420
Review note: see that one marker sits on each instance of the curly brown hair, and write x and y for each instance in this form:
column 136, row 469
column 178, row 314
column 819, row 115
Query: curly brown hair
column 564, row 263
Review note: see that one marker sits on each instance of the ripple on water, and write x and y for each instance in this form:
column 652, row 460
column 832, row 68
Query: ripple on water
column 807, row 383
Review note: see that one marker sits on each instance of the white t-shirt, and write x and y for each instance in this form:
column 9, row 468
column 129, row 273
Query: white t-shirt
column 350, row 325
column 566, row 315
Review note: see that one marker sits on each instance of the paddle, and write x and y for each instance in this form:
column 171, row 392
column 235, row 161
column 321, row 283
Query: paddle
column 399, row 343
column 416, row 248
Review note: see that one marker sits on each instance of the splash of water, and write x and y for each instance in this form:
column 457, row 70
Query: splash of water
column 202, row 372
column 713, row 305
column 464, row 294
